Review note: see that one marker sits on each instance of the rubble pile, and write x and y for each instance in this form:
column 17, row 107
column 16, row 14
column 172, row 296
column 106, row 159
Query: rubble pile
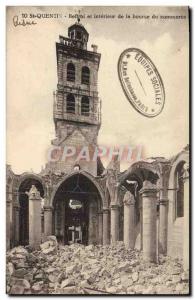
column 79, row 269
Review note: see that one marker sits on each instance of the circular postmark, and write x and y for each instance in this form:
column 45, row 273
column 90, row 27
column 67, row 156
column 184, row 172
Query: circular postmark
column 141, row 82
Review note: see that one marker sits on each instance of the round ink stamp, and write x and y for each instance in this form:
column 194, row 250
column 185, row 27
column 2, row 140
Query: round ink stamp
column 141, row 82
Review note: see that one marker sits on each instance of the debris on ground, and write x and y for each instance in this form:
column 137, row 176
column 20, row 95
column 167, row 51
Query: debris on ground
column 79, row 269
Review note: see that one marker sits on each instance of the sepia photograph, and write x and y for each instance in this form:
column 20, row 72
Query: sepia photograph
column 97, row 150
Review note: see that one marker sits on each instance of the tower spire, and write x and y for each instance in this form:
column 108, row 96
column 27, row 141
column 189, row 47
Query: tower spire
column 76, row 115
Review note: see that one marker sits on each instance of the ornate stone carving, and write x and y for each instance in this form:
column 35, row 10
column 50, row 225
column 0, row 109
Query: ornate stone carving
column 129, row 199
column 112, row 184
column 121, row 193
column 105, row 211
column 102, row 181
column 33, row 193
column 165, row 168
column 52, row 179
column 186, row 171
column 148, row 185
column 148, row 189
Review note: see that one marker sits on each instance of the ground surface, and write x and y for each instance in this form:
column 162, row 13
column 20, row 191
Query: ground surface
column 79, row 269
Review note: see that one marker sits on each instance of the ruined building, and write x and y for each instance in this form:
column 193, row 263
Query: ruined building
column 146, row 206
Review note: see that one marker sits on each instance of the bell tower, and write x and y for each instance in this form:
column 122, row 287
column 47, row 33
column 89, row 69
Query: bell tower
column 77, row 109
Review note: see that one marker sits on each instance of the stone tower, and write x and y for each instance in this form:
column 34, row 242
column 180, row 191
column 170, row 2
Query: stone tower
column 77, row 111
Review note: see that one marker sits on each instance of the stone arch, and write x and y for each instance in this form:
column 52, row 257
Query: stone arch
column 140, row 171
column 132, row 180
column 180, row 159
column 24, row 184
column 176, row 225
column 80, row 223
column 27, row 175
column 88, row 176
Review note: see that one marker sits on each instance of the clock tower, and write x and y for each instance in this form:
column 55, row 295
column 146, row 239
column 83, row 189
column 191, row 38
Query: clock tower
column 77, row 111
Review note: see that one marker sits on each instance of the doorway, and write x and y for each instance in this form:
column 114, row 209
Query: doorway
column 76, row 205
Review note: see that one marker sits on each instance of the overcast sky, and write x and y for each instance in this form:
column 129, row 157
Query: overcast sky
column 32, row 78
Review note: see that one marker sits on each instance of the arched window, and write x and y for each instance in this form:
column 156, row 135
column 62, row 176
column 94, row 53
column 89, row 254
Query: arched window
column 70, row 72
column 85, row 106
column 78, row 35
column 179, row 201
column 85, row 77
column 70, row 104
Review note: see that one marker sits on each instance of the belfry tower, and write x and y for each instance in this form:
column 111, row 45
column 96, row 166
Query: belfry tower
column 77, row 111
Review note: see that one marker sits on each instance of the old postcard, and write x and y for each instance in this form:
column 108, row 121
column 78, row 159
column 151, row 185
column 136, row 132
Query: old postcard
column 97, row 178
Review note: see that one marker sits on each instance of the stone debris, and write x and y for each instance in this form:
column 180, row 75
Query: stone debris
column 79, row 269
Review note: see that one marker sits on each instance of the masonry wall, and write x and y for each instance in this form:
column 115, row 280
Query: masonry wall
column 175, row 239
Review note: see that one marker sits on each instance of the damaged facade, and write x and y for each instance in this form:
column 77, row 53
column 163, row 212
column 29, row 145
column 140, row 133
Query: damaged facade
column 146, row 206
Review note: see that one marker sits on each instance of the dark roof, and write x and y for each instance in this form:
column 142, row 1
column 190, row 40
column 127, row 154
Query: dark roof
column 77, row 25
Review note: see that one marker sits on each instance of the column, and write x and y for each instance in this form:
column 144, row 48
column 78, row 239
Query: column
column 141, row 222
column 149, row 201
column 129, row 220
column 105, row 227
column 186, row 248
column 92, row 232
column 114, row 223
column 100, row 227
column 16, row 224
column 163, row 225
column 8, row 223
column 90, row 225
column 15, row 218
column 163, row 208
column 171, row 218
column 8, row 216
column 63, row 229
column 48, row 210
column 34, row 217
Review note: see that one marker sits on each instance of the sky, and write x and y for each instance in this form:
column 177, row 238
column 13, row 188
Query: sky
column 32, row 78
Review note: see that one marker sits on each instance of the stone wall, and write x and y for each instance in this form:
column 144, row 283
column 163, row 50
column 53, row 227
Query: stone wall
column 78, row 136
column 175, row 241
